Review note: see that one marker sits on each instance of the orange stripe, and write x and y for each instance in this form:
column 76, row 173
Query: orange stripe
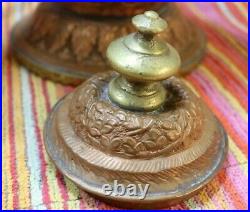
column 234, row 70
column 231, row 99
column 228, row 50
column 227, row 80
column 60, row 179
column 231, row 190
column 236, row 12
column 240, row 143
column 234, row 42
column 237, row 55
column 60, row 91
column 245, row 4
column 242, row 10
column 217, row 37
column 201, row 20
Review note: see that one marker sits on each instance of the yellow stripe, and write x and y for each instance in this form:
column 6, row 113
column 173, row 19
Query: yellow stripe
column 7, row 199
column 206, row 200
column 74, row 193
column 29, row 7
column 189, row 85
column 237, row 73
column 219, row 194
column 244, row 167
column 52, row 93
column 232, row 147
column 72, row 189
column 196, row 11
column 240, row 157
column 54, row 191
column 245, row 6
column 22, row 169
column 191, row 203
column 232, row 100
column 233, row 41
column 70, row 202
column 60, row 91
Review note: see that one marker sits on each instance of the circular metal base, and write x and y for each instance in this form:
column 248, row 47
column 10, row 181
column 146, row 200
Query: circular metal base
column 42, row 63
column 162, row 194
column 52, row 64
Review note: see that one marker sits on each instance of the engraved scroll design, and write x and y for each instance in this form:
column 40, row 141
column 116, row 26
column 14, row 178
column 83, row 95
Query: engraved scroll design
column 129, row 134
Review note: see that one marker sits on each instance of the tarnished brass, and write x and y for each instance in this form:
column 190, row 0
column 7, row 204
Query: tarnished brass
column 67, row 42
column 142, row 60
column 95, row 138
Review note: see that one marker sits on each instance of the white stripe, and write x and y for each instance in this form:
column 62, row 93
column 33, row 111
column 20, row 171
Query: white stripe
column 231, row 17
column 32, row 150
column 30, row 137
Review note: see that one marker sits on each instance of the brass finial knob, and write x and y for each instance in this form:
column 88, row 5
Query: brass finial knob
column 143, row 61
column 149, row 23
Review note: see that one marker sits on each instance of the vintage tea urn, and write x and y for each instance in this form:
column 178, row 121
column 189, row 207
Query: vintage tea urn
column 140, row 126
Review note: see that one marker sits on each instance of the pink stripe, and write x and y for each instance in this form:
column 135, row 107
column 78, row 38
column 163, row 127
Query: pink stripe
column 11, row 129
column 68, row 89
column 62, row 186
column 239, row 180
column 231, row 160
column 239, row 33
column 45, row 187
column 215, row 15
column 221, row 103
column 59, row 177
column 225, row 197
column 223, row 45
column 227, row 79
column 82, row 204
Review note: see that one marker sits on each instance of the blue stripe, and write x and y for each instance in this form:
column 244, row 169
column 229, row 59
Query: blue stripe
column 31, row 142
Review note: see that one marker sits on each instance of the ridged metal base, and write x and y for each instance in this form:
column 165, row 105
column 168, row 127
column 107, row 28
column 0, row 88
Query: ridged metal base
column 162, row 196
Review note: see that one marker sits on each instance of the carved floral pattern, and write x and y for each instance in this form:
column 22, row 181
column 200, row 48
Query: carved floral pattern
column 132, row 134
column 81, row 40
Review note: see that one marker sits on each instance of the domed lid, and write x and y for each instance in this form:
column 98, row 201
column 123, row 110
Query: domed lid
column 141, row 56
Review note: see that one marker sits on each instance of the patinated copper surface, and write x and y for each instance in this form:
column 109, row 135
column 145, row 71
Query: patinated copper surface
column 105, row 132
column 67, row 43
column 177, row 149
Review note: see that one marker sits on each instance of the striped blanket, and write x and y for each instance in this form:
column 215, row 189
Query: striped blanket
column 31, row 181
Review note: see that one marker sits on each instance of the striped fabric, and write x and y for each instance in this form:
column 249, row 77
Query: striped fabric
column 30, row 180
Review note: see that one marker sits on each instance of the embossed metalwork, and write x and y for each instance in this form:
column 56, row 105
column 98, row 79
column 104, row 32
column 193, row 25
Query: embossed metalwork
column 67, row 42
column 176, row 149
column 132, row 135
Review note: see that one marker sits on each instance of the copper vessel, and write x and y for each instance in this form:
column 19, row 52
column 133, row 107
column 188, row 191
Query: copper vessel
column 140, row 128
column 66, row 42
